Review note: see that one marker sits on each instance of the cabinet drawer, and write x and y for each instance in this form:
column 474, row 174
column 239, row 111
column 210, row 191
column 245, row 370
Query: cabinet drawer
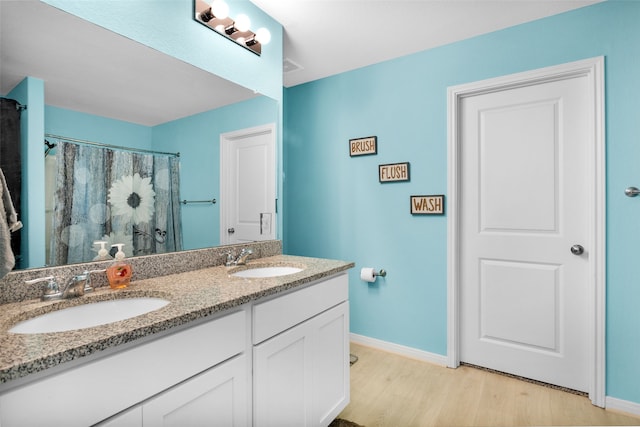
column 276, row 315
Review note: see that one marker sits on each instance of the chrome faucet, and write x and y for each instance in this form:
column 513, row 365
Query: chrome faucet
column 241, row 259
column 76, row 286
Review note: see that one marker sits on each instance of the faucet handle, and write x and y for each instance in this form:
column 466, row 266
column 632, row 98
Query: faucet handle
column 51, row 290
column 230, row 259
column 243, row 255
column 39, row 279
column 87, row 283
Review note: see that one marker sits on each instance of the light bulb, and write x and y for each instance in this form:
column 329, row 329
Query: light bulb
column 220, row 9
column 263, row 36
column 242, row 23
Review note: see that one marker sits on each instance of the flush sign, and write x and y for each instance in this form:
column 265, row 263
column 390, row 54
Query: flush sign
column 393, row 172
column 427, row 205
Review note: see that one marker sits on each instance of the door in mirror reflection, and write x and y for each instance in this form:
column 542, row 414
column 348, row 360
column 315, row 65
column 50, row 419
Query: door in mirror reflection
column 248, row 185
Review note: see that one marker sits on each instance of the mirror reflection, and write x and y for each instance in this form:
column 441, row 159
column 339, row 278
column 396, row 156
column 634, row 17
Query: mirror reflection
column 92, row 193
column 102, row 197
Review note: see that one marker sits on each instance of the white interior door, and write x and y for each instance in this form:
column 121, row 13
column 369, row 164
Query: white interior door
column 525, row 176
column 248, row 185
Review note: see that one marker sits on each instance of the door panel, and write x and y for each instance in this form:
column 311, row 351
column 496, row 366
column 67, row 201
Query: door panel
column 518, row 167
column 525, row 293
column 247, row 185
column 524, row 203
column 254, row 188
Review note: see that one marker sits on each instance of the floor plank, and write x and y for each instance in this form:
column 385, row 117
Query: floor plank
column 396, row 391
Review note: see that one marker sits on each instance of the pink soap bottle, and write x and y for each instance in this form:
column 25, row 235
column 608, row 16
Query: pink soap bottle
column 119, row 273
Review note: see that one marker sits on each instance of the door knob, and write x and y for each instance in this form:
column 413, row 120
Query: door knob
column 577, row 249
column 231, row 230
column 631, row 191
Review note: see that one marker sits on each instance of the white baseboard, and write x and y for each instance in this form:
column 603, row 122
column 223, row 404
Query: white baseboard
column 402, row 350
column 622, row 405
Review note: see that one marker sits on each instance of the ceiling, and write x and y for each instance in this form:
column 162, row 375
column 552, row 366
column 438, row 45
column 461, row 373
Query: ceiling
column 327, row 37
column 90, row 69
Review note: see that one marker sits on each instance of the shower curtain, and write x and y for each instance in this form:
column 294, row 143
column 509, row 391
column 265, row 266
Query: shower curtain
column 114, row 196
column 11, row 163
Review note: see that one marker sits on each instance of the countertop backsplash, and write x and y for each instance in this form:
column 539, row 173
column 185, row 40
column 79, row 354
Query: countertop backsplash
column 14, row 289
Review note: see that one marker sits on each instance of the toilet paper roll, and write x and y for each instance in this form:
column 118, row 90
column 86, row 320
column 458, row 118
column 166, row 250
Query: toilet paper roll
column 367, row 274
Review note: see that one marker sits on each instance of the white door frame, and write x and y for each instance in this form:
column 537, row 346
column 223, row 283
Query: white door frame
column 226, row 139
column 593, row 69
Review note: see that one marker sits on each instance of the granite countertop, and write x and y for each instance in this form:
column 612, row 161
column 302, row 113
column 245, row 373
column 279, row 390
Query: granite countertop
column 192, row 295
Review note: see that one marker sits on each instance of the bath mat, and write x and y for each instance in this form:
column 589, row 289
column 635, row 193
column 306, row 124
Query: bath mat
column 352, row 359
column 339, row 422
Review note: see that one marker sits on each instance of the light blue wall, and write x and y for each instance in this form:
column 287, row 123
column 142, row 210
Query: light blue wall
column 89, row 127
column 336, row 208
column 197, row 138
column 168, row 26
column 30, row 92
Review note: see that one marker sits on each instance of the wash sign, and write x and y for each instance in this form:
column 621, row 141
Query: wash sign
column 427, row 205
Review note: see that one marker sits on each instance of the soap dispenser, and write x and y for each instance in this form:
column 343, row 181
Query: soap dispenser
column 103, row 253
column 119, row 273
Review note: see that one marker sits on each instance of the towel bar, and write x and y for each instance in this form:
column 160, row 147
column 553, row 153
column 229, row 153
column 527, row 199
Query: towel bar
column 212, row 201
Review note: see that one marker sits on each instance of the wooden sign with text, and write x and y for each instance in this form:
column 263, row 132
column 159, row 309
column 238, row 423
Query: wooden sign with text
column 363, row 146
column 427, row 205
column 393, row 172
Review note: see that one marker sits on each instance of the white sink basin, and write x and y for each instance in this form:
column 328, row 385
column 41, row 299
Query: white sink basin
column 88, row 315
column 262, row 272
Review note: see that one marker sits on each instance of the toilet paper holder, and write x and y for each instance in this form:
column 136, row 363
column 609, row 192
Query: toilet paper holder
column 368, row 274
column 381, row 273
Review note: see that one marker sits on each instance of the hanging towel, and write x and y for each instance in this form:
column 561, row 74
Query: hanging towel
column 8, row 224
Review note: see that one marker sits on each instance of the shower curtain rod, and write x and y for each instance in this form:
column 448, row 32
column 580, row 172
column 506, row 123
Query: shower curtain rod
column 115, row 147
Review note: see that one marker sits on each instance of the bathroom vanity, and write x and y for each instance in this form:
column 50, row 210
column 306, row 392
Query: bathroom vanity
column 231, row 350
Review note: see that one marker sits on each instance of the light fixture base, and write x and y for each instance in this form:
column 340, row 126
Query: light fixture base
column 225, row 27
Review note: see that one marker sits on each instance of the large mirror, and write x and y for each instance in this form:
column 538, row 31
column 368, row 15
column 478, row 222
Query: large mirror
column 101, row 87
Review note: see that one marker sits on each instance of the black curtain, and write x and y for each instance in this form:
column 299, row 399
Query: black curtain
column 11, row 161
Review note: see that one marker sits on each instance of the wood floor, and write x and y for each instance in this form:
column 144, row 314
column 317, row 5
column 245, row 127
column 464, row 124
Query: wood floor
column 392, row 390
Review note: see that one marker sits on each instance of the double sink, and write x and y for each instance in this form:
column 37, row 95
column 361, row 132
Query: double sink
column 98, row 313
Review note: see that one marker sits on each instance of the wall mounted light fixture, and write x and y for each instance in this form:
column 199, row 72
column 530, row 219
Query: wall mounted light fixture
column 215, row 15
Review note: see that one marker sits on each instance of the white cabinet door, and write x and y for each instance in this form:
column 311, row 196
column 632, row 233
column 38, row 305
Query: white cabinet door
column 282, row 379
column 301, row 376
column 217, row 397
column 331, row 364
column 129, row 418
